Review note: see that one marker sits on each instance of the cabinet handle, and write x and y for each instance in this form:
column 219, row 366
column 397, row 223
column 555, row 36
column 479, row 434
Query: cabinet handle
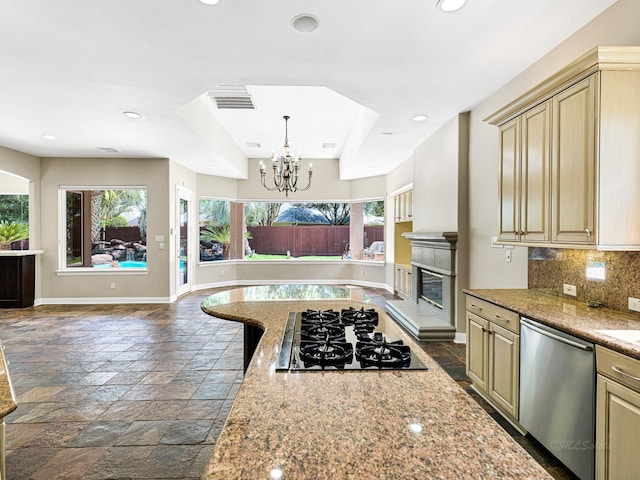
column 498, row 317
column 588, row 232
column 489, row 332
column 624, row 374
column 515, row 232
column 475, row 306
column 521, row 233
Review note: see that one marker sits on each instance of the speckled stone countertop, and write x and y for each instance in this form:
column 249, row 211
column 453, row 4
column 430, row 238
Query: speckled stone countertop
column 616, row 330
column 351, row 424
column 7, row 397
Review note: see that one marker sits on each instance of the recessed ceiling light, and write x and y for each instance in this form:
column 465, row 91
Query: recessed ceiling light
column 210, row 2
column 329, row 145
column 305, row 23
column 107, row 149
column 131, row 114
column 48, row 136
column 420, row 118
column 386, row 134
column 252, row 144
column 450, row 5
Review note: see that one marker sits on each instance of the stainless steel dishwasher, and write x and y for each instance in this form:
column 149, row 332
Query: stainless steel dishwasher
column 557, row 394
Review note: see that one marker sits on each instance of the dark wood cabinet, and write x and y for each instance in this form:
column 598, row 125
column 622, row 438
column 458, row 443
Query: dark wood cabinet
column 17, row 281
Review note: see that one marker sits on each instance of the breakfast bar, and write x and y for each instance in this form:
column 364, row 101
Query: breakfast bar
column 350, row 424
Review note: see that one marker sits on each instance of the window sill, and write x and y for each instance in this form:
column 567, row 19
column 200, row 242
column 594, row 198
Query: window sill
column 101, row 271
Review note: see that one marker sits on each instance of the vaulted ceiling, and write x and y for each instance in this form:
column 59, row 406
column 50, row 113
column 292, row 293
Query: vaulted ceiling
column 70, row 68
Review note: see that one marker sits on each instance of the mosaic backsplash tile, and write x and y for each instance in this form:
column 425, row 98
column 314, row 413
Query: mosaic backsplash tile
column 605, row 277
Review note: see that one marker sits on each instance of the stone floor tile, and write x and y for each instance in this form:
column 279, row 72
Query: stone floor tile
column 99, row 434
column 69, row 464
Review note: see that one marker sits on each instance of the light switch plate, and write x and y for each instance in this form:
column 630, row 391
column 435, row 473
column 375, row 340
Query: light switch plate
column 568, row 289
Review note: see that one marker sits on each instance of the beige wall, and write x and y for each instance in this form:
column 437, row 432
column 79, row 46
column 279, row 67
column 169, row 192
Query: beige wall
column 440, row 183
column 121, row 172
column 618, row 25
column 28, row 168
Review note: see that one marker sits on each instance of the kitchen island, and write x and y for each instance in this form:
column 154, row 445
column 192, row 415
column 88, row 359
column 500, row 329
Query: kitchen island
column 357, row 424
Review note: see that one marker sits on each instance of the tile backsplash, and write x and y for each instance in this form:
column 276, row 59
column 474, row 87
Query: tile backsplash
column 605, row 277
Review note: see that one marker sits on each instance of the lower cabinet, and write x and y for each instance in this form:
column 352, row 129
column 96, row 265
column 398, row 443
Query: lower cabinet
column 617, row 416
column 402, row 281
column 493, row 355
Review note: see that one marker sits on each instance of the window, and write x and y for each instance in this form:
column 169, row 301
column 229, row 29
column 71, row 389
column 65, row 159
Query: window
column 14, row 221
column 215, row 229
column 373, row 230
column 105, row 227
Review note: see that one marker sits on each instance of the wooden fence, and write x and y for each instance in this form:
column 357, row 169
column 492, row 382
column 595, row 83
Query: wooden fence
column 302, row 240
column 126, row 234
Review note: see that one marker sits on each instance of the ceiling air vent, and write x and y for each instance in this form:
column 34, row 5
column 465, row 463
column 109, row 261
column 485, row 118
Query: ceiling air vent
column 231, row 96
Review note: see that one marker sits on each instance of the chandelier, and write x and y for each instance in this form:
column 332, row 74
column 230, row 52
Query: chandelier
column 285, row 168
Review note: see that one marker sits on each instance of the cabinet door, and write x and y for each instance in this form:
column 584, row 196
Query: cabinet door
column 504, row 367
column 477, row 368
column 573, row 163
column 535, row 183
column 617, row 427
column 508, row 188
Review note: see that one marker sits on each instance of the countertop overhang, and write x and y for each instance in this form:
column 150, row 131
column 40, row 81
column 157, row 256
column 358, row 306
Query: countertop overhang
column 351, row 424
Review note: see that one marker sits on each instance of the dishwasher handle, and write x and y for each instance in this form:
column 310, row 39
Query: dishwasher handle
column 547, row 333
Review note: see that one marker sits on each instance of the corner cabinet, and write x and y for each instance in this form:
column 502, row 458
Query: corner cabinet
column 568, row 153
column 403, row 203
column 617, row 416
column 493, row 355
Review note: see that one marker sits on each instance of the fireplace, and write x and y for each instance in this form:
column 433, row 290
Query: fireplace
column 431, row 287
column 431, row 313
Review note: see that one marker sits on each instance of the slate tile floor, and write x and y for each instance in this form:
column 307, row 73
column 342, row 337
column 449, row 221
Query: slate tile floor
column 139, row 391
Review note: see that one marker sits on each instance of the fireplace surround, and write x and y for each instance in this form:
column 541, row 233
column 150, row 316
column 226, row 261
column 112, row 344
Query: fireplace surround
column 430, row 315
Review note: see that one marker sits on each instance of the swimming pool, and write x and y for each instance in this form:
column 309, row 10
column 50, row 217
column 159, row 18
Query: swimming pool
column 125, row 264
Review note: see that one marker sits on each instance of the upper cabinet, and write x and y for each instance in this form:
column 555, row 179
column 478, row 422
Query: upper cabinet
column 570, row 156
column 404, row 206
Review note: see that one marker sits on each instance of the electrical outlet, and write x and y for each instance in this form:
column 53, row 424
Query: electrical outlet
column 222, row 272
column 568, row 289
column 507, row 256
column 634, row 304
column 113, row 285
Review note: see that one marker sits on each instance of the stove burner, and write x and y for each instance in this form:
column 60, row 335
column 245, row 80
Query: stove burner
column 351, row 316
column 321, row 315
column 326, row 353
column 377, row 352
column 330, row 340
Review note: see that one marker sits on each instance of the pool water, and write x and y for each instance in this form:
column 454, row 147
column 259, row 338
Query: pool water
column 126, row 264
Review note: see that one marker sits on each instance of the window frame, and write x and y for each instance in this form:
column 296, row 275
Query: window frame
column 63, row 268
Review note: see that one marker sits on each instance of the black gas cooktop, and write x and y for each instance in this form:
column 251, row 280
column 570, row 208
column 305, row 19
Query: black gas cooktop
column 348, row 339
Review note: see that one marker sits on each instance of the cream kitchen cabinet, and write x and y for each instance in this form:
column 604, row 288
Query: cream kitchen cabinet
column 524, row 184
column 493, row 355
column 403, row 203
column 568, row 156
column 403, row 280
column 617, row 416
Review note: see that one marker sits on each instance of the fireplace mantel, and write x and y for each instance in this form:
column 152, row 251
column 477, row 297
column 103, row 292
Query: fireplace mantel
column 431, row 252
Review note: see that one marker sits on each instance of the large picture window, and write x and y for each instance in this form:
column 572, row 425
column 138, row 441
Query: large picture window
column 215, row 229
column 105, row 227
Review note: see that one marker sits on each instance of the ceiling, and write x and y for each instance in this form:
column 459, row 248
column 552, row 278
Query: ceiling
column 70, row 69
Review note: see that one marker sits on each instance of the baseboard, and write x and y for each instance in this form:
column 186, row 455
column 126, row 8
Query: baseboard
column 460, row 338
column 244, row 283
column 104, row 300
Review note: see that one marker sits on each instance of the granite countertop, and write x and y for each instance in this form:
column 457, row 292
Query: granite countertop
column 7, row 397
column 351, row 424
column 616, row 330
